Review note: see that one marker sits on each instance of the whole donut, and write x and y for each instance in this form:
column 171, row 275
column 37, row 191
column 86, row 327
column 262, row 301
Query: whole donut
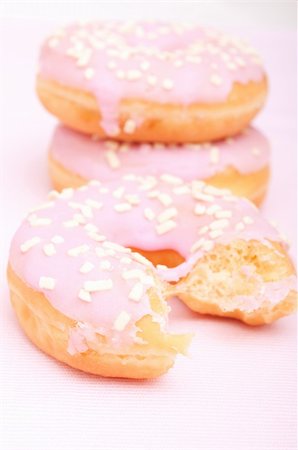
column 83, row 296
column 240, row 164
column 153, row 82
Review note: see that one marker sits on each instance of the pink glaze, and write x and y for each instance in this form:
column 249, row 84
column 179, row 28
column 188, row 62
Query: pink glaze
column 88, row 217
column 247, row 153
column 160, row 62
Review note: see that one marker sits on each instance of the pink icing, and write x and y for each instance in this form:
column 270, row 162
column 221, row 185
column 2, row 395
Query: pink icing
column 89, row 158
column 89, row 216
column 161, row 62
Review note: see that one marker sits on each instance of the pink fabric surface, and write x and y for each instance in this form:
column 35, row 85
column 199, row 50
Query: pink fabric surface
column 237, row 388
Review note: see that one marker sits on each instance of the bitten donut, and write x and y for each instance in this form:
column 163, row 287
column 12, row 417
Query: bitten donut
column 85, row 291
column 153, row 82
column 240, row 164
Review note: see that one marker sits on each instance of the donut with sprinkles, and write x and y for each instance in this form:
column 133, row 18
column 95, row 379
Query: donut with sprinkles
column 240, row 164
column 92, row 270
column 153, row 82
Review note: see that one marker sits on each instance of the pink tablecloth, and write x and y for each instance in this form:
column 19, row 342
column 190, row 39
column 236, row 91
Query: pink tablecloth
column 236, row 391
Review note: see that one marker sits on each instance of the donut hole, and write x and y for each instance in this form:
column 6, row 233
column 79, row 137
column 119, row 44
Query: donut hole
column 165, row 257
column 231, row 279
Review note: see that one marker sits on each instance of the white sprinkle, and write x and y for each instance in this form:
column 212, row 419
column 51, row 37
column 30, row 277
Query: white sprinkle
column 76, row 251
column 92, row 183
column 149, row 214
column 47, row 283
column 125, row 260
column 57, row 239
column 133, row 75
column 66, row 193
column 117, row 247
column 168, row 84
column 199, row 209
column 121, row 321
column 42, row 206
column 27, row 245
column 204, row 197
column 180, row 190
column 255, row 151
column 79, row 218
column 86, row 267
column 207, row 246
column 239, row 226
column 70, row 223
column 130, row 126
column 100, row 252
column 39, row 221
column 96, row 237
column 220, row 223
column 212, row 190
column 216, row 80
column 105, row 265
column 215, row 233
column 197, row 245
column 204, row 229
column 214, row 155
column 223, row 214
column 165, row 227
column 140, row 258
column 91, row 228
column 136, row 292
column 248, row 220
column 112, row 159
column 133, row 199
column 118, row 193
column 147, row 184
column 84, row 295
column 167, row 214
column 76, row 205
column 145, row 65
column 212, row 209
column 87, row 211
column 98, row 285
column 161, row 267
column 165, row 199
column 93, row 203
column 49, row 249
column 122, row 207
column 89, row 73
column 84, row 58
column 171, row 179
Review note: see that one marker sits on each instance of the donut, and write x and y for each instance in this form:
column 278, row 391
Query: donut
column 152, row 82
column 91, row 271
column 240, row 164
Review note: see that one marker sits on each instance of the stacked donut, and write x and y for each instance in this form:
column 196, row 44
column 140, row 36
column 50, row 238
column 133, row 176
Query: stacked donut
column 179, row 96
column 152, row 161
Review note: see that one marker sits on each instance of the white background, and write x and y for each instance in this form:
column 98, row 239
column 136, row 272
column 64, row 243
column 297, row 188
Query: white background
column 237, row 390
